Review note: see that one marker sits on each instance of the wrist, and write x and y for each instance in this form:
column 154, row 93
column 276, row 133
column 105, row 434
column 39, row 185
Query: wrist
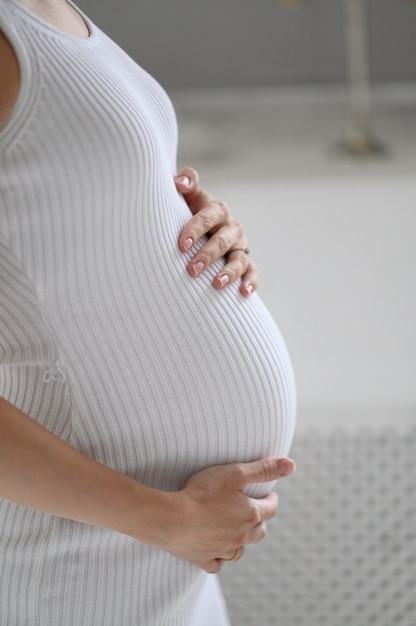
column 148, row 515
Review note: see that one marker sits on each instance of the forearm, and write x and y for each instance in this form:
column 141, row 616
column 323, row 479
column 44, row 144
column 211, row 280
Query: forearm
column 206, row 519
column 39, row 470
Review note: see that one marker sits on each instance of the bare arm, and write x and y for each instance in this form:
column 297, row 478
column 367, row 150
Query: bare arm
column 39, row 470
column 203, row 522
column 9, row 79
column 60, row 14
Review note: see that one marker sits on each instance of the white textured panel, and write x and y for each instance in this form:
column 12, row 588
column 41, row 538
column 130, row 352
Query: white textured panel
column 342, row 550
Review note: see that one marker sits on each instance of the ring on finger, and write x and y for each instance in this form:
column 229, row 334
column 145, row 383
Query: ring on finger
column 246, row 250
column 234, row 557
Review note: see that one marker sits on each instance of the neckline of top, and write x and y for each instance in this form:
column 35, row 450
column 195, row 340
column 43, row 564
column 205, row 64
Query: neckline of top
column 45, row 25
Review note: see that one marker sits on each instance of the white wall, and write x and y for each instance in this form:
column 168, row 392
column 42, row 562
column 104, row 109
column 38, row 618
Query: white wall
column 203, row 43
column 334, row 237
column 338, row 261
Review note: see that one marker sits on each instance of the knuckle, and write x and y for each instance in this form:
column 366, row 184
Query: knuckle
column 223, row 206
column 262, row 531
column 223, row 244
column 204, row 221
column 267, row 471
column 239, row 541
column 239, row 226
column 240, row 471
column 255, row 518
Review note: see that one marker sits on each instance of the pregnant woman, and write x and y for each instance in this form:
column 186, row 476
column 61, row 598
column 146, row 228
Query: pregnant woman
column 147, row 398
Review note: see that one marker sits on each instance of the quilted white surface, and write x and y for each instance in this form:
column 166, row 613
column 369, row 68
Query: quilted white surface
column 342, row 550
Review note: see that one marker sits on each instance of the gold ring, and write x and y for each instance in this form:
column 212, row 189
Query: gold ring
column 234, row 557
column 246, row 250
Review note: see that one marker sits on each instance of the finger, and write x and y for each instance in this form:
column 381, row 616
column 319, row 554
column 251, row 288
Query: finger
column 262, row 471
column 264, row 509
column 250, row 280
column 209, row 216
column 187, row 181
column 237, row 265
column 256, row 534
column 215, row 248
column 233, row 555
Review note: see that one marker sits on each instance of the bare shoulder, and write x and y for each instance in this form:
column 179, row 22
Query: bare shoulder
column 9, row 79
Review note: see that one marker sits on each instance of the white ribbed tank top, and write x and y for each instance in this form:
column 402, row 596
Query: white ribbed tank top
column 105, row 339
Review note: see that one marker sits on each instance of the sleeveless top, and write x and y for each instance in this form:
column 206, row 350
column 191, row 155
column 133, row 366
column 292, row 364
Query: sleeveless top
column 104, row 337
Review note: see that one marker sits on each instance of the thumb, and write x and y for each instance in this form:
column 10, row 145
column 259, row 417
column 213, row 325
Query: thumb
column 264, row 471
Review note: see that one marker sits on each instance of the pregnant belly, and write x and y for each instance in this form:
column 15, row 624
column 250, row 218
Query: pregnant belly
column 171, row 375
column 193, row 378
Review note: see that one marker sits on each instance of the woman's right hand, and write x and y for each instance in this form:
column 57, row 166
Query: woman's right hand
column 211, row 516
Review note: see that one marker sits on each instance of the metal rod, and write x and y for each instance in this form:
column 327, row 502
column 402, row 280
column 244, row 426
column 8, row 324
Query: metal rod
column 359, row 138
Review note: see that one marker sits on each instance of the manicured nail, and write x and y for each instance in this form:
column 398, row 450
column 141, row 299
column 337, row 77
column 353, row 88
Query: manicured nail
column 249, row 289
column 197, row 268
column 285, row 467
column 224, row 279
column 188, row 243
column 183, row 180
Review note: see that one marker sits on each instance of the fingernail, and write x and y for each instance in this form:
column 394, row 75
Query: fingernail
column 224, row 279
column 188, row 243
column 285, row 467
column 249, row 289
column 197, row 268
column 183, row 180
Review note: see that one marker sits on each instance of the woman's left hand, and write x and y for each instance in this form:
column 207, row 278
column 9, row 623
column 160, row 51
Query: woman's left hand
column 212, row 217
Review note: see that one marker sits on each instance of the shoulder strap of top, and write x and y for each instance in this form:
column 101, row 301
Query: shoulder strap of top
column 18, row 38
column 33, row 40
column 20, row 11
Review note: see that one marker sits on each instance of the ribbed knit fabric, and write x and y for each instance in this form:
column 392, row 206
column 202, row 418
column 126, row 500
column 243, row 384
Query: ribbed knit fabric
column 105, row 339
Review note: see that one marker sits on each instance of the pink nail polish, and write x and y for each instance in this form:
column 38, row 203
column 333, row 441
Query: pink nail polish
column 249, row 289
column 183, row 180
column 188, row 243
column 224, row 279
column 197, row 268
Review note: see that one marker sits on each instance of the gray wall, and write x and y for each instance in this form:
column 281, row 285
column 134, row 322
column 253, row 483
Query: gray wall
column 204, row 43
